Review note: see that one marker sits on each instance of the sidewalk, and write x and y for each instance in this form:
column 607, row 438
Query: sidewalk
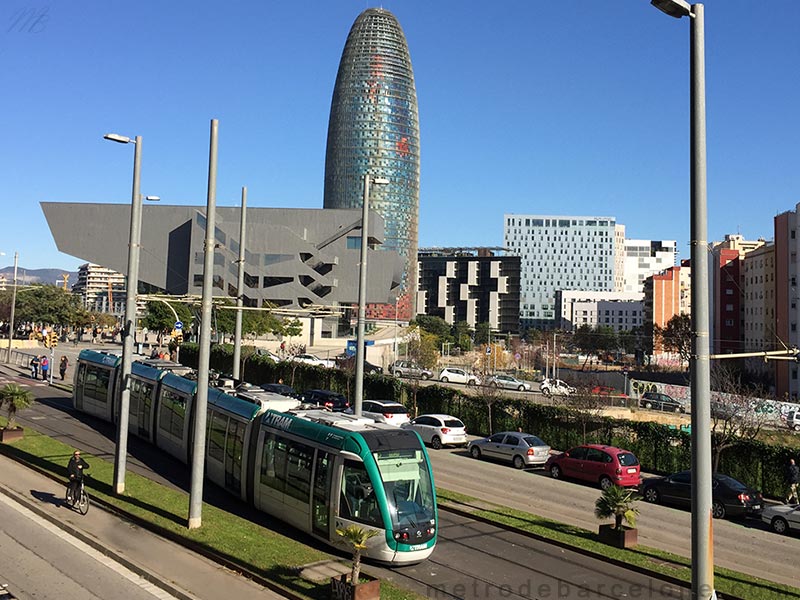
column 171, row 567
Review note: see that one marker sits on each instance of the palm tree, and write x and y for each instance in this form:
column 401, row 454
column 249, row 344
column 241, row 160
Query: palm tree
column 357, row 537
column 617, row 502
column 15, row 398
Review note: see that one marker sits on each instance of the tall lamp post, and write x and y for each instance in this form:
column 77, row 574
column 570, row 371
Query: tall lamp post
column 362, row 293
column 13, row 307
column 699, row 364
column 128, row 330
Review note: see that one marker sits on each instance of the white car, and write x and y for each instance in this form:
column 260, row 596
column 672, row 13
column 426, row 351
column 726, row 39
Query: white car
column 439, row 430
column 383, row 411
column 311, row 359
column 454, row 375
column 782, row 518
column 555, row 387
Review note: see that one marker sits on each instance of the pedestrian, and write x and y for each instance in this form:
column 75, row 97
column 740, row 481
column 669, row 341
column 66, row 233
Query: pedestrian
column 44, row 364
column 154, row 353
column 793, row 479
column 62, row 367
column 34, row 364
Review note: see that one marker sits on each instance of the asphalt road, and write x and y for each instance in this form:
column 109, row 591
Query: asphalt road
column 473, row 560
column 744, row 545
column 39, row 560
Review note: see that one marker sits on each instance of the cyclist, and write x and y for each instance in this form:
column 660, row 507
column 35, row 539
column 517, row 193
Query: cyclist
column 75, row 469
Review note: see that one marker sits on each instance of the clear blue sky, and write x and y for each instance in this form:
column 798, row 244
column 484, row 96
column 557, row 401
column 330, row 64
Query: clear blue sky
column 526, row 106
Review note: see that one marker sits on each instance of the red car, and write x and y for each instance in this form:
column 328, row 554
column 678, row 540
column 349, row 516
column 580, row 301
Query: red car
column 605, row 465
column 607, row 390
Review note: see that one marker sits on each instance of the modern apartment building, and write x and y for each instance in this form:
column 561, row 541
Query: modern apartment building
column 562, row 253
column 622, row 311
column 476, row 285
column 101, row 289
column 643, row 258
column 787, row 315
column 374, row 129
column 758, row 316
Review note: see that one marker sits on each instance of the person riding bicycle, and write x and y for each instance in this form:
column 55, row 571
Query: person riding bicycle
column 75, row 469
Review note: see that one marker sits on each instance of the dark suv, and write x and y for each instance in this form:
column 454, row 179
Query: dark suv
column 659, row 401
column 407, row 368
column 331, row 400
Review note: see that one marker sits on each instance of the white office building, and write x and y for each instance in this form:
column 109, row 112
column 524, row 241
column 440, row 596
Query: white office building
column 644, row 258
column 563, row 253
column 622, row 311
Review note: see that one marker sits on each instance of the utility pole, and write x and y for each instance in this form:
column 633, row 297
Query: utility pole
column 13, row 307
column 237, row 335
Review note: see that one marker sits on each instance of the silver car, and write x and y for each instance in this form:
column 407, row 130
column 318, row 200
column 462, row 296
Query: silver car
column 782, row 518
column 520, row 449
column 508, row 382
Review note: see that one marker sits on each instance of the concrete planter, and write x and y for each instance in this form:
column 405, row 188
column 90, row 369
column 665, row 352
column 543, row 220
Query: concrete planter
column 627, row 537
column 9, row 435
column 342, row 589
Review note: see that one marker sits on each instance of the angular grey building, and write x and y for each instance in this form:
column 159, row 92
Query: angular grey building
column 295, row 258
column 374, row 128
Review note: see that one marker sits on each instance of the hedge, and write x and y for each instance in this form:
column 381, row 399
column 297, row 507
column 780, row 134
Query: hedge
column 659, row 448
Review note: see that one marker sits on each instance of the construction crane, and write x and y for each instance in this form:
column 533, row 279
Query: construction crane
column 110, row 298
column 65, row 277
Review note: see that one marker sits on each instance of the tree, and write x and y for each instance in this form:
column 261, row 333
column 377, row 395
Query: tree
column 617, row 502
column 482, row 332
column 160, row 318
column 43, row 304
column 583, row 408
column 14, row 398
column 292, row 328
column 357, row 537
column 677, row 336
column 257, row 322
column 489, row 394
column 462, row 335
column 422, row 348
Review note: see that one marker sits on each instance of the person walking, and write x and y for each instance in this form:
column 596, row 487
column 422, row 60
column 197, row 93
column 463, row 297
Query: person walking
column 62, row 367
column 44, row 364
column 793, row 480
column 34, row 364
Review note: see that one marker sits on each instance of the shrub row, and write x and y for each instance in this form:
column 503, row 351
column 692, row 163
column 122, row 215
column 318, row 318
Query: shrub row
column 660, row 449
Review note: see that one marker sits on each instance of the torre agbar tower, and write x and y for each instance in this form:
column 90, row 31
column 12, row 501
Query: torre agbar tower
column 374, row 128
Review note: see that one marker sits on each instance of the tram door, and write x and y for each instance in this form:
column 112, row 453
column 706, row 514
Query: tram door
column 233, row 456
column 321, row 495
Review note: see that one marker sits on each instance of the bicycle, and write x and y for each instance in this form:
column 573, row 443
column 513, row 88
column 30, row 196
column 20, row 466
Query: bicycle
column 82, row 500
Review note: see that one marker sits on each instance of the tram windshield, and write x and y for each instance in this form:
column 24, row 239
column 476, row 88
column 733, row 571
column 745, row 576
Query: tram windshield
column 407, row 483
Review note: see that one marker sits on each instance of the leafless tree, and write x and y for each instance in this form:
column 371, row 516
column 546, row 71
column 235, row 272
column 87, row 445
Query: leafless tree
column 582, row 407
column 488, row 394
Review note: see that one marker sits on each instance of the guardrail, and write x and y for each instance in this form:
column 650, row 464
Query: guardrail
column 19, row 358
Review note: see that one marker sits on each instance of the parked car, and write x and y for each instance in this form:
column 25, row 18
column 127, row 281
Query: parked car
column 349, row 362
column 782, row 518
column 269, row 354
column 311, row 359
column 555, row 387
column 439, row 430
column 659, row 401
column 508, row 382
column 384, row 411
column 456, row 375
column 606, row 465
column 607, row 390
column 326, row 398
column 279, row 388
column 520, row 449
column 729, row 497
column 407, row 368
column 793, row 420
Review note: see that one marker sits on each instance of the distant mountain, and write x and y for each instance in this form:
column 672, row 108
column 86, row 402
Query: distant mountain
column 48, row 276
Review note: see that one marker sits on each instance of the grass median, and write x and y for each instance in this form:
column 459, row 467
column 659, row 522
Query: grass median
column 651, row 559
column 271, row 555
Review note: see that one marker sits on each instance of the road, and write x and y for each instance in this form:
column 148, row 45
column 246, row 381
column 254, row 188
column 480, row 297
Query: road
column 39, row 560
column 744, row 546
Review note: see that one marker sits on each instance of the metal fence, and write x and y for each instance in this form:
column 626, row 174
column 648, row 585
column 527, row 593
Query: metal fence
column 19, row 358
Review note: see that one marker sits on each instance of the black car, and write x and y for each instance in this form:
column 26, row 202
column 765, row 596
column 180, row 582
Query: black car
column 279, row 388
column 659, row 401
column 349, row 363
column 326, row 398
column 729, row 497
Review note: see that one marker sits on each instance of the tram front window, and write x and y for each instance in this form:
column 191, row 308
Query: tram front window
column 409, row 493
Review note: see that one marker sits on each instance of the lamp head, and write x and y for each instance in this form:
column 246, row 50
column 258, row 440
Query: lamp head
column 115, row 137
column 380, row 181
column 673, row 8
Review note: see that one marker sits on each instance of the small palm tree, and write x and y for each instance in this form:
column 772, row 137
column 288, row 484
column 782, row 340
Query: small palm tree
column 14, row 398
column 357, row 537
column 617, row 502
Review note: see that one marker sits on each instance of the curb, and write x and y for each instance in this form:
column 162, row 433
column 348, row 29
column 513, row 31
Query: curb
column 583, row 551
column 155, row 529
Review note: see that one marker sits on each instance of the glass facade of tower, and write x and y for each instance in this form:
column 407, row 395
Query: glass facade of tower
column 374, row 128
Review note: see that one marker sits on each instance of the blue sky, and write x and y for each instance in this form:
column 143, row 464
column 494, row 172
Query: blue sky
column 572, row 107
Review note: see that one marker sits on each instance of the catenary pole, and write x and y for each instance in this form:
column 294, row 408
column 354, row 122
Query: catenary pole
column 199, row 439
column 362, row 301
column 237, row 334
column 13, row 308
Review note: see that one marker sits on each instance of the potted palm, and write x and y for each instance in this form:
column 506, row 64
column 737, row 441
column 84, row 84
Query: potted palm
column 14, row 398
column 617, row 502
column 357, row 588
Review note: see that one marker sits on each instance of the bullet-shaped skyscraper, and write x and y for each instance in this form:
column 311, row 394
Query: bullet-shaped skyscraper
column 374, row 128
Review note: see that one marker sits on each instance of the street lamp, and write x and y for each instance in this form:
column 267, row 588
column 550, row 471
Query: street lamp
column 121, row 450
column 699, row 364
column 13, row 307
column 362, row 293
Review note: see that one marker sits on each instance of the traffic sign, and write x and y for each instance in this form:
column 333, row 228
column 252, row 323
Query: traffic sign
column 488, row 349
column 178, row 325
column 517, row 356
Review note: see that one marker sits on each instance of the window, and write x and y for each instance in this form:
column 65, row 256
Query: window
column 216, row 436
column 357, row 500
column 286, row 466
column 353, row 243
column 173, row 413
